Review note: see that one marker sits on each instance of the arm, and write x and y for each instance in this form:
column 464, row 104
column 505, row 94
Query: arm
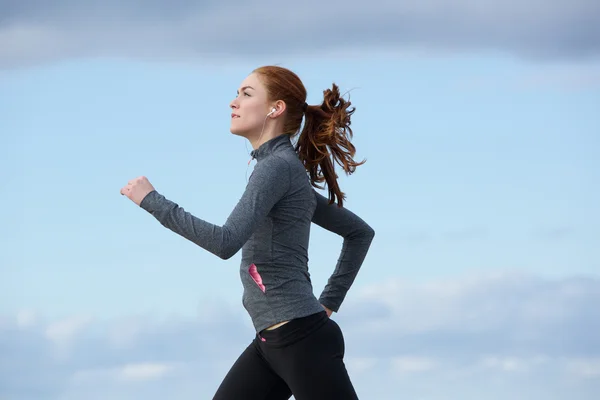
column 268, row 183
column 357, row 235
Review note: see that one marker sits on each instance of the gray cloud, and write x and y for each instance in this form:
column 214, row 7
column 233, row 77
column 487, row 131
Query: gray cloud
column 34, row 31
column 522, row 315
column 491, row 337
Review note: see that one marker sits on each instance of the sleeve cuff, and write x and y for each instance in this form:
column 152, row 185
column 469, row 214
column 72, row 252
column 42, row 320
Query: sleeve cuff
column 149, row 202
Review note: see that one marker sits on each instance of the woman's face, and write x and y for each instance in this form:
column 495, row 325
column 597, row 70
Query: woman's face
column 250, row 108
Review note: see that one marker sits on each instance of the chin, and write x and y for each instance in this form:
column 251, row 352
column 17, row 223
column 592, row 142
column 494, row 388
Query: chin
column 242, row 130
column 238, row 132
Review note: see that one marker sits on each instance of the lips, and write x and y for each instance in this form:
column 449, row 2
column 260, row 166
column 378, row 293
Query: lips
column 234, row 116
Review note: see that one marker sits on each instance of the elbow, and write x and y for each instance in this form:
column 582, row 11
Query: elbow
column 228, row 245
column 366, row 231
column 369, row 233
column 364, row 234
column 227, row 251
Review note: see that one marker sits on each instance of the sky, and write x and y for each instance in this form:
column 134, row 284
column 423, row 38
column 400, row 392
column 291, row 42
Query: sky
column 479, row 123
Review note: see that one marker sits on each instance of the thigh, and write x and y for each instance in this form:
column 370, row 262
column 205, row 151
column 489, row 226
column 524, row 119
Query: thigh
column 252, row 378
column 315, row 366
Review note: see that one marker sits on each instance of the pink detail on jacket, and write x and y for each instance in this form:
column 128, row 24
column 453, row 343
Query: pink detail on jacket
column 256, row 277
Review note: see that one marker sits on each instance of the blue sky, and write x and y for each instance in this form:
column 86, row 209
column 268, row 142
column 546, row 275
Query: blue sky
column 481, row 184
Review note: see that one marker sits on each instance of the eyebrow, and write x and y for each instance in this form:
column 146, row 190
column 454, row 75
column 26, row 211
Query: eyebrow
column 246, row 87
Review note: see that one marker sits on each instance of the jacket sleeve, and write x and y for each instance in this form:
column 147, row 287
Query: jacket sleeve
column 267, row 185
column 357, row 235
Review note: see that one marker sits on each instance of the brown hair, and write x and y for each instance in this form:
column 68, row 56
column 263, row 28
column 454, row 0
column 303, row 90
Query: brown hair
column 326, row 135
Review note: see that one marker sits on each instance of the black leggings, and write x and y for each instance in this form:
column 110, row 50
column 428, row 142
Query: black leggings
column 303, row 357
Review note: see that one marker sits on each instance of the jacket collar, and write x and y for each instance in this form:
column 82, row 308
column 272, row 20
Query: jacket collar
column 271, row 146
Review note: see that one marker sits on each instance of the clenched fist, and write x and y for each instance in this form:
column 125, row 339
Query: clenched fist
column 136, row 189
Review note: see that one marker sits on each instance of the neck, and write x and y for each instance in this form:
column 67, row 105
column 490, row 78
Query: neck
column 263, row 137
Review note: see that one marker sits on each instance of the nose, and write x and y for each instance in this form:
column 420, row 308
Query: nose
column 234, row 104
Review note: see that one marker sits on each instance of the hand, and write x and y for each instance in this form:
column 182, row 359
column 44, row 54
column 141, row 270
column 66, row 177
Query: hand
column 328, row 311
column 136, row 189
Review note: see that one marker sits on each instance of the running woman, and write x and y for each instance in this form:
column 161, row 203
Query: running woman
column 297, row 348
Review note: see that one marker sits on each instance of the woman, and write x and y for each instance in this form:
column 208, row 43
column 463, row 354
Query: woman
column 297, row 348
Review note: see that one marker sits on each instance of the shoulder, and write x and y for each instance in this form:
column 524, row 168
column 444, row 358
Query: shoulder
column 275, row 169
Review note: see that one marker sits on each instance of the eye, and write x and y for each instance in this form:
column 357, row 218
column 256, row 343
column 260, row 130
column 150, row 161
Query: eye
column 246, row 93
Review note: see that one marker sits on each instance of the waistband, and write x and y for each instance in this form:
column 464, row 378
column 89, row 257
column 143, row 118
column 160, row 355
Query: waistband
column 293, row 331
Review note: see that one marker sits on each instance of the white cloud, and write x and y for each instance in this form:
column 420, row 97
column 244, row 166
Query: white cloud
column 587, row 368
column 494, row 337
column 512, row 364
column 26, row 318
column 361, row 365
column 123, row 333
column 65, row 330
column 403, row 365
column 38, row 31
column 144, row 371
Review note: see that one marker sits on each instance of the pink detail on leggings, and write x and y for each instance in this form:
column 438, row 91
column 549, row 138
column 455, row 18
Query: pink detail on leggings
column 256, row 276
column 263, row 339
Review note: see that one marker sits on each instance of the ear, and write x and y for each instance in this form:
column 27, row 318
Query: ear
column 279, row 107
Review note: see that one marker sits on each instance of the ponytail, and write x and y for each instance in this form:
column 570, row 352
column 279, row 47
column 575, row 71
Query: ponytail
column 325, row 139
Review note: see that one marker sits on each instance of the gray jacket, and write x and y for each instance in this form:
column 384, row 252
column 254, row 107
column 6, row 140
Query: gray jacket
column 271, row 224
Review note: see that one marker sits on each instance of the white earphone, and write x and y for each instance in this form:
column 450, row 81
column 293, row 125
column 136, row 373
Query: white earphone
column 272, row 111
